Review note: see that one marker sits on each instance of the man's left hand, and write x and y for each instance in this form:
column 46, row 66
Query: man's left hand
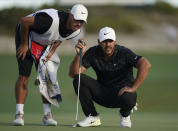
column 126, row 89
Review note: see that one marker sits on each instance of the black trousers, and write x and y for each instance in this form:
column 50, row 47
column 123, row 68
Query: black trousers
column 91, row 90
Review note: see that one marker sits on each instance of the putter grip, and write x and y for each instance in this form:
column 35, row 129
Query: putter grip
column 82, row 42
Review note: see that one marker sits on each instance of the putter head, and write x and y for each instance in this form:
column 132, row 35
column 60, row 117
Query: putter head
column 37, row 82
column 75, row 125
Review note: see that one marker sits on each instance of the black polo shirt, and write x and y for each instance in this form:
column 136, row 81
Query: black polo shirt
column 118, row 71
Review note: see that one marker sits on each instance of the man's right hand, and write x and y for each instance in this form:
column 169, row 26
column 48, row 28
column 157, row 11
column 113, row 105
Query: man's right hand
column 79, row 46
column 22, row 51
column 26, row 23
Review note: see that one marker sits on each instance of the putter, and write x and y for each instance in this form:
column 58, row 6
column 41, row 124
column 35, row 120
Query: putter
column 76, row 118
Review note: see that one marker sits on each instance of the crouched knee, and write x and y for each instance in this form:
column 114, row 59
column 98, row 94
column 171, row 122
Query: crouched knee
column 129, row 99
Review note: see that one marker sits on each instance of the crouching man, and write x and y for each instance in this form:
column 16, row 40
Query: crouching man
column 115, row 86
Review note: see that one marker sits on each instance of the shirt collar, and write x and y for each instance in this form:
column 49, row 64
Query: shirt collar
column 114, row 54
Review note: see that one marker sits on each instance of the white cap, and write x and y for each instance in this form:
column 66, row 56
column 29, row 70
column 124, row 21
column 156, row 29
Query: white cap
column 107, row 33
column 79, row 12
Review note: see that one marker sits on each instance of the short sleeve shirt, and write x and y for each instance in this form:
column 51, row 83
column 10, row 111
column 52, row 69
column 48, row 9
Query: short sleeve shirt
column 118, row 71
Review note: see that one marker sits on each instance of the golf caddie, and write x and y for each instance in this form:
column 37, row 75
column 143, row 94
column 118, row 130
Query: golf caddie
column 115, row 86
column 41, row 29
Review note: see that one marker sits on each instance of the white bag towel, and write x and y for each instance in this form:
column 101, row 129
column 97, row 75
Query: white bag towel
column 47, row 78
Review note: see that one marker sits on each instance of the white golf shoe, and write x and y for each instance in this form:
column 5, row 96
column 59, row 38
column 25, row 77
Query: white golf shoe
column 48, row 120
column 89, row 121
column 19, row 120
column 125, row 122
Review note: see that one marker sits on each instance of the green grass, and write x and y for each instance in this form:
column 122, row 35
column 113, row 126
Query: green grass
column 157, row 98
column 110, row 121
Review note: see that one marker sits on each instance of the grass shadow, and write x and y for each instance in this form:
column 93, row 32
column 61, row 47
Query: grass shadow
column 5, row 124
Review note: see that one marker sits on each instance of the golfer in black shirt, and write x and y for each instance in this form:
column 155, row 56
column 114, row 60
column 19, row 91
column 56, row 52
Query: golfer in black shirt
column 115, row 86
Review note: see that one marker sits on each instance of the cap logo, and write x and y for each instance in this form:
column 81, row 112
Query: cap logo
column 106, row 33
column 83, row 13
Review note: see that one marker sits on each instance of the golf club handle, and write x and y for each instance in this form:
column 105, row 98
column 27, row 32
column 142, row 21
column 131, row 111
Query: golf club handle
column 80, row 57
column 82, row 42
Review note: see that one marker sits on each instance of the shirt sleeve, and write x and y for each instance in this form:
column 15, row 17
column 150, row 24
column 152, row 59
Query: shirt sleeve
column 42, row 22
column 131, row 57
column 86, row 59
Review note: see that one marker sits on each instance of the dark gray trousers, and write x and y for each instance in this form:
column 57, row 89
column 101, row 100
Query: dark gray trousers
column 91, row 90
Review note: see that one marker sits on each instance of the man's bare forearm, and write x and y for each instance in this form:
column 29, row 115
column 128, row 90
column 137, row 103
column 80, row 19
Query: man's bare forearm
column 52, row 50
column 54, row 47
column 26, row 23
column 74, row 67
column 143, row 68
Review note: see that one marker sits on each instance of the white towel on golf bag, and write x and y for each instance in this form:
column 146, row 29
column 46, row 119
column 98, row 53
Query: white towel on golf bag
column 47, row 78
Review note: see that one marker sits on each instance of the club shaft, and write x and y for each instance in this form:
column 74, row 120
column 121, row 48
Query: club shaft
column 76, row 118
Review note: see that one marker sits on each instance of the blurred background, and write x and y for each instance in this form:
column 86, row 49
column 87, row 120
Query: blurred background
column 148, row 27
column 140, row 24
